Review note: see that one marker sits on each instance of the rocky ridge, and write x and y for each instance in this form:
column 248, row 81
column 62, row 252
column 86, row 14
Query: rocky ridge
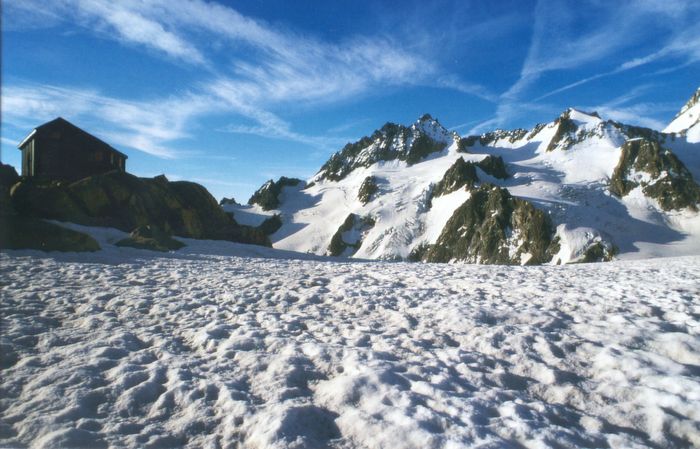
column 571, row 178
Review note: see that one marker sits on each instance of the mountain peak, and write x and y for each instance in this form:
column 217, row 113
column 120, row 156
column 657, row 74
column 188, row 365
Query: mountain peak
column 426, row 118
column 695, row 99
column 581, row 116
column 687, row 120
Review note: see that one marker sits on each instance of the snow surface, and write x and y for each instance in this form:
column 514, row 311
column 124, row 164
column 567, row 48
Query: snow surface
column 205, row 348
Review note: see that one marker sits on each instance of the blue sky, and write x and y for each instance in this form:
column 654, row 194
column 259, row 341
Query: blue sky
column 230, row 94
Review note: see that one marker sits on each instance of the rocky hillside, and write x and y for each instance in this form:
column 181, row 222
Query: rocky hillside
column 118, row 200
column 580, row 188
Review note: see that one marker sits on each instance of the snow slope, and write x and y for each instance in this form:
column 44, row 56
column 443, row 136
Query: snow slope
column 562, row 167
column 200, row 349
column 688, row 120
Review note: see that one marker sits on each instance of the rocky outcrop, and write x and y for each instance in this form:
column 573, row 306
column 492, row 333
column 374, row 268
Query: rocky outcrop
column 492, row 227
column 267, row 196
column 228, row 201
column 271, row 224
column 460, row 174
column 391, row 142
column 367, row 189
column 463, row 174
column 18, row 232
column 660, row 174
column 348, row 238
column 494, row 166
column 123, row 201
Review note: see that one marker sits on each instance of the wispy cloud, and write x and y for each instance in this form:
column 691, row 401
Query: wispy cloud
column 559, row 44
column 148, row 126
column 267, row 70
column 626, row 109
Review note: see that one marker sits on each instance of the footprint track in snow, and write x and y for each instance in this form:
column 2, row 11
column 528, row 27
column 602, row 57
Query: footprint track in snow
column 227, row 352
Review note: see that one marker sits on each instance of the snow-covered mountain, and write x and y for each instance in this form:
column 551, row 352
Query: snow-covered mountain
column 579, row 188
column 688, row 119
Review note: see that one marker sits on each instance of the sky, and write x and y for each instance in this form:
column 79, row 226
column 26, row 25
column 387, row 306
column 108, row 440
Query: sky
column 231, row 94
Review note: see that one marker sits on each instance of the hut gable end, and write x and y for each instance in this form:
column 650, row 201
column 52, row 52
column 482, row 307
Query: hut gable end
column 60, row 150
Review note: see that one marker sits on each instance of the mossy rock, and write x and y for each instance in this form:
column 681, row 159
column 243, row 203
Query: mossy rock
column 151, row 238
column 123, row 201
column 367, row 189
column 31, row 233
column 33, row 198
column 492, row 227
column 669, row 181
column 267, row 196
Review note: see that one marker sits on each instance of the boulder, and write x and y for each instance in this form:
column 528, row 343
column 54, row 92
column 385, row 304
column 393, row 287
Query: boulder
column 150, row 237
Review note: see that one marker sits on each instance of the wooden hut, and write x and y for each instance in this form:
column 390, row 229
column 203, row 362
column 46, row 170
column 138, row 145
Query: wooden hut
column 60, row 150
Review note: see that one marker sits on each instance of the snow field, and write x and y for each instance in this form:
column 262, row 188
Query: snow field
column 216, row 351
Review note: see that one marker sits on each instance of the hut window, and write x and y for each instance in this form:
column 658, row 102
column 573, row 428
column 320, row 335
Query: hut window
column 98, row 156
column 111, row 159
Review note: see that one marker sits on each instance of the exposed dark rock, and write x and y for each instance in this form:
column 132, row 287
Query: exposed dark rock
column 492, row 227
column 501, row 134
column 354, row 225
column 123, row 201
column 463, row 174
column 8, row 178
column 466, row 142
column 494, row 166
column 419, row 252
column 565, row 127
column 224, row 201
column 391, row 142
column 271, row 224
column 152, row 238
column 8, row 175
column 367, row 189
column 32, row 233
column 491, row 137
column 267, row 196
column 422, row 147
column 459, row 175
column 599, row 252
column 658, row 171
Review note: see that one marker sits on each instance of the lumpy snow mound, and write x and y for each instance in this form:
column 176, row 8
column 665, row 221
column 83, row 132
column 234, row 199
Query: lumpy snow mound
column 214, row 351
